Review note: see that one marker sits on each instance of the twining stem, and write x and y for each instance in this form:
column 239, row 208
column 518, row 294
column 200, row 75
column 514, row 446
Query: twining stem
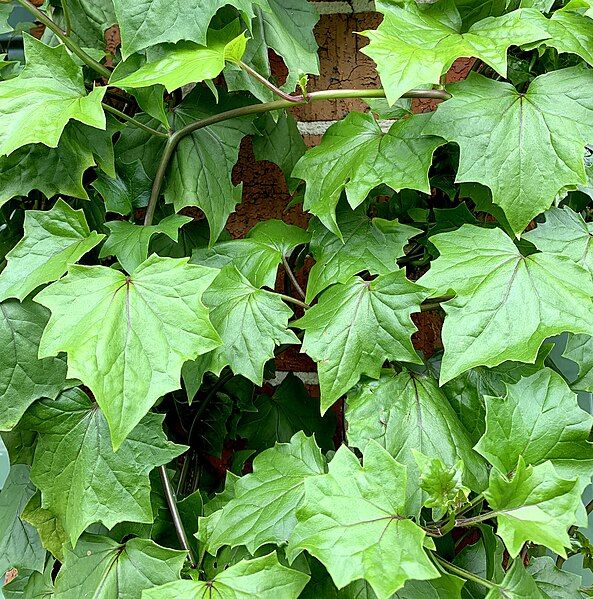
column 133, row 121
column 172, row 504
column 465, row 574
column 296, row 302
column 475, row 519
column 67, row 41
column 177, row 136
column 292, row 277
column 261, row 79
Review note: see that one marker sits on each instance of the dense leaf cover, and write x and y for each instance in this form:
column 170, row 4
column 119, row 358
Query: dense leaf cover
column 154, row 451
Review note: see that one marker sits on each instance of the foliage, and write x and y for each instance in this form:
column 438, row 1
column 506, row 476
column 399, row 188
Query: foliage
column 155, row 450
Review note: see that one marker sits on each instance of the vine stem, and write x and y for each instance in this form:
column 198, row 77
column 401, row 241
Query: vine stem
column 177, row 136
column 67, row 41
column 465, row 574
column 172, row 504
column 261, row 79
column 133, row 121
column 292, row 277
column 296, row 302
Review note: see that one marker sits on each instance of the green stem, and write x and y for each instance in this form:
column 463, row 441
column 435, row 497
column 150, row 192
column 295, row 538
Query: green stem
column 177, row 136
column 68, row 42
column 261, row 79
column 465, row 574
column 475, row 519
column 67, row 18
column 434, row 304
column 292, row 277
column 296, row 302
column 133, row 121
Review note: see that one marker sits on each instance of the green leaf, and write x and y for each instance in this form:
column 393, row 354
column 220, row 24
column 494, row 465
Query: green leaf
column 115, row 571
column 88, row 20
column 505, row 304
column 31, row 584
column 185, row 62
column 264, row 577
column 263, row 508
column 251, row 322
column 420, row 420
column 52, row 241
column 129, row 242
column 539, row 419
column 24, row 378
column 5, row 12
column 354, row 521
column 517, row 584
column 48, row 526
column 82, row 480
column 355, row 156
column 279, row 235
column 121, row 332
column 372, row 244
column 36, row 106
column 579, row 349
column 506, row 136
column 552, row 581
column 20, row 546
column 536, row 505
column 279, row 417
column 565, row 232
column 417, row 43
column 358, row 325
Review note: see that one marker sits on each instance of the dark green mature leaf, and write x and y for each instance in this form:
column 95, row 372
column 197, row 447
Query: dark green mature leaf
column 579, row 349
column 372, row 244
column 25, row 378
column 419, row 419
column 129, row 355
column 264, row 505
column 129, row 242
column 31, row 584
column 497, row 288
column 358, row 325
column 517, row 584
column 48, row 526
column 536, row 505
column 20, row 546
column 354, row 521
column 539, row 419
column 82, row 480
column 88, row 20
column 116, row 571
column 554, row 582
column 5, row 12
column 251, row 323
column 36, row 106
column 52, row 241
column 416, row 43
column 506, row 136
column 264, row 577
column 355, row 156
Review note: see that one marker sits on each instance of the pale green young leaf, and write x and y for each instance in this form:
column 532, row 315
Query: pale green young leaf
column 279, row 235
column 129, row 242
column 52, row 241
column 421, row 420
column 176, row 65
column 517, row 584
column 535, row 505
column 264, row 577
column 570, row 32
column 539, row 419
column 526, row 147
column 20, row 546
column 100, row 567
column 36, row 106
column 579, row 349
column 506, row 304
column 48, row 525
column 121, row 333
column 372, row 244
column 81, row 479
column 354, row 520
column 251, row 322
column 416, row 43
column 24, row 377
column 358, row 325
column 355, row 156
column 263, row 508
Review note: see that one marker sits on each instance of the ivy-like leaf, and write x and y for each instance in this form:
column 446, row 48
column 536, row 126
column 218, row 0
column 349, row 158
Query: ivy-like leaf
column 354, row 521
column 36, row 106
column 5, row 12
column 129, row 242
column 355, row 156
column 24, row 377
column 539, row 419
column 506, row 304
column 48, row 525
column 251, row 323
column 82, row 480
column 121, row 332
column 263, row 508
column 416, row 43
column 554, row 582
column 534, row 505
column 579, row 349
column 506, row 136
column 116, row 571
column 421, row 419
column 87, row 20
column 264, row 577
column 372, row 244
column 358, row 325
column 517, row 584
column 53, row 240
